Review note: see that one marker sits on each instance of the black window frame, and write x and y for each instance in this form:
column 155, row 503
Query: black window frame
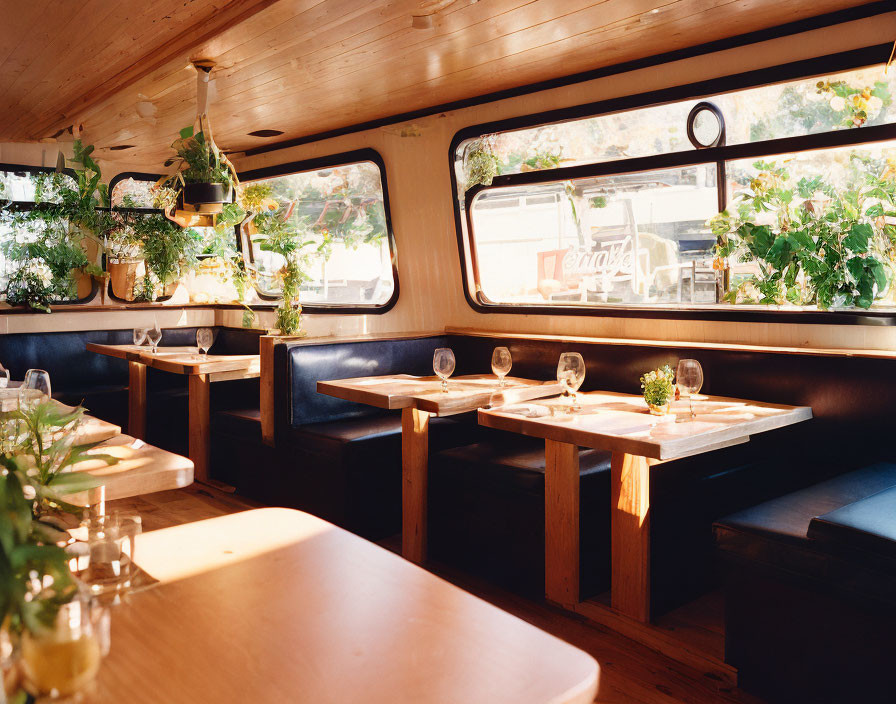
column 701, row 90
column 28, row 205
column 366, row 154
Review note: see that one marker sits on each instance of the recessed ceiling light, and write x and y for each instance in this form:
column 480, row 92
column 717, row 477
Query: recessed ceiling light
column 266, row 133
column 121, row 147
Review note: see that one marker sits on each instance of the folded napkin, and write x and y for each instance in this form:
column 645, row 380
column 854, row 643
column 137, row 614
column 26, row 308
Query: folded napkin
column 528, row 410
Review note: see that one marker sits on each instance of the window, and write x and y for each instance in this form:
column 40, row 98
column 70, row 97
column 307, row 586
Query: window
column 132, row 191
column 749, row 209
column 333, row 216
column 38, row 252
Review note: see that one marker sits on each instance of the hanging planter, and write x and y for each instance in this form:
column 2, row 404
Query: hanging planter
column 203, row 180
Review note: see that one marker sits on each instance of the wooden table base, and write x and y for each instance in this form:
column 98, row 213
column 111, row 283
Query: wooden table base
column 561, row 523
column 199, row 424
column 414, row 476
column 630, row 535
column 137, row 400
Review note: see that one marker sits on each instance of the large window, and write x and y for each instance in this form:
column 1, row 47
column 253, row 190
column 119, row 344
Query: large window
column 774, row 197
column 332, row 217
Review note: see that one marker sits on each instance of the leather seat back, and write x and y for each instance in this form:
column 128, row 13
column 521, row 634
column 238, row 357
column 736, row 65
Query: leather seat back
column 299, row 366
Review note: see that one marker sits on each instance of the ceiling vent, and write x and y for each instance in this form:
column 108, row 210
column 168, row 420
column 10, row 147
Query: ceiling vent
column 266, row 133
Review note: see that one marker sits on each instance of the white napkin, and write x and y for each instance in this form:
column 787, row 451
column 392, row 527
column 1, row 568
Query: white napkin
column 529, row 410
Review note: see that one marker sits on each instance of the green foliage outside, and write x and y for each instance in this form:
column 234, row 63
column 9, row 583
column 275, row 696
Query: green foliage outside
column 813, row 244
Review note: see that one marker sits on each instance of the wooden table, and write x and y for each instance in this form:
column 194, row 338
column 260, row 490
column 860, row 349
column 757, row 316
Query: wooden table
column 418, row 398
column 141, row 469
column 201, row 370
column 638, row 441
column 274, row 605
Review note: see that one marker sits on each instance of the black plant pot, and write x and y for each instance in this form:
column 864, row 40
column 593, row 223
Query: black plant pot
column 200, row 193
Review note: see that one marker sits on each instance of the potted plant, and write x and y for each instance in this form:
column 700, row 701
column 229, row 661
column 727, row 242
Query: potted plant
column 124, row 260
column 658, row 386
column 35, row 580
column 293, row 241
column 169, row 251
column 203, row 179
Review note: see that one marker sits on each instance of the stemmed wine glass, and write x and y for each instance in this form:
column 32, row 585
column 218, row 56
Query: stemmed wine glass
column 571, row 374
column 139, row 336
column 443, row 365
column 204, row 339
column 35, row 389
column 154, row 335
column 501, row 363
column 689, row 378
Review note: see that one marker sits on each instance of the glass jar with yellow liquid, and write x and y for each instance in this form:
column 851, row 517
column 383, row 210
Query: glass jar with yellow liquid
column 60, row 664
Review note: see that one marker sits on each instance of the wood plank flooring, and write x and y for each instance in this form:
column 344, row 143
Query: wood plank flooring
column 630, row 672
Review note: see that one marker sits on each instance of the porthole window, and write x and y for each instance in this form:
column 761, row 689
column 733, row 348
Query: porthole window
column 706, row 126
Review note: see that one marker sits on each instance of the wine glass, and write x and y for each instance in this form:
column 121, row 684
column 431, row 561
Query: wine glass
column 204, row 339
column 4, row 377
column 443, row 365
column 689, row 378
column 35, row 389
column 154, row 335
column 61, row 663
column 139, row 336
column 501, row 363
column 571, row 374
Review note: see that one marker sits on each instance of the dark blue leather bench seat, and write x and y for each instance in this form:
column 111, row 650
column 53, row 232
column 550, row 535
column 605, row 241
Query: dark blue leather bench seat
column 487, row 512
column 101, row 382
column 342, row 460
column 810, row 585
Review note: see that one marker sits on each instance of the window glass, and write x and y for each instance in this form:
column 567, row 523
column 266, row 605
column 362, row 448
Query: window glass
column 336, row 217
column 624, row 239
column 808, row 106
column 129, row 193
column 26, row 187
column 815, row 229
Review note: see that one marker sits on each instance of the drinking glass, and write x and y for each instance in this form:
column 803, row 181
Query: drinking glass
column 154, row 335
column 571, row 374
column 35, row 389
column 60, row 663
column 139, row 336
column 4, row 377
column 204, row 339
column 108, row 563
column 501, row 363
column 689, row 378
column 443, row 365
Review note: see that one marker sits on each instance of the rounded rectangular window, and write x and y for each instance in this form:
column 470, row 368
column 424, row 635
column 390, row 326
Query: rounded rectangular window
column 334, row 221
column 626, row 239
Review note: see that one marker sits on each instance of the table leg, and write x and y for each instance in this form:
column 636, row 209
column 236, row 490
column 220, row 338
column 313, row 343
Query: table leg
column 137, row 400
column 199, row 418
column 414, row 475
column 561, row 523
column 630, row 543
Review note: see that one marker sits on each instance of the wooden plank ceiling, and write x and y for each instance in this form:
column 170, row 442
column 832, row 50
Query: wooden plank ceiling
column 307, row 66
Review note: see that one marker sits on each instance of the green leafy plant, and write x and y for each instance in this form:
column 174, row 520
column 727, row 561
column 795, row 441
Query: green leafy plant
column 658, row 386
column 168, row 250
column 296, row 246
column 810, row 242
column 481, row 164
column 31, row 286
column 199, row 160
column 35, row 450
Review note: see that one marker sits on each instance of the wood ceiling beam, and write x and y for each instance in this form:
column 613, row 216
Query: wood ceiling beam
column 191, row 38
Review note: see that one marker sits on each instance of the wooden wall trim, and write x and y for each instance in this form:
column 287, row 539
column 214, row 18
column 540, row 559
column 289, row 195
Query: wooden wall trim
column 676, row 344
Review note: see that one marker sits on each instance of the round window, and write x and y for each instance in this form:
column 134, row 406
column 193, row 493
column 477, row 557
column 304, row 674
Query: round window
column 706, row 126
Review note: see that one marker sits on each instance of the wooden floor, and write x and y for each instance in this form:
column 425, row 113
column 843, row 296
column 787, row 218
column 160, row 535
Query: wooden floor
column 630, row 673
